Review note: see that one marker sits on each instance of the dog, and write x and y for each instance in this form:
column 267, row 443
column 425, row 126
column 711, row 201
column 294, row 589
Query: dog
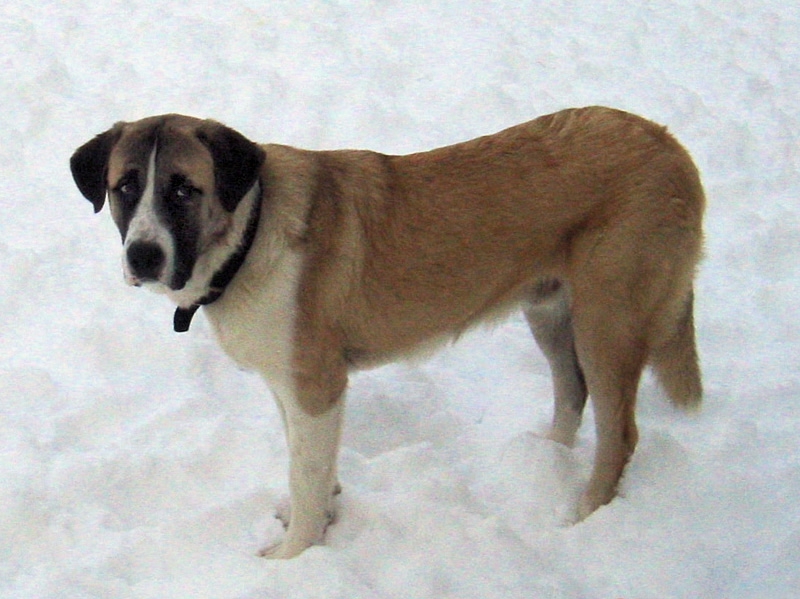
column 310, row 264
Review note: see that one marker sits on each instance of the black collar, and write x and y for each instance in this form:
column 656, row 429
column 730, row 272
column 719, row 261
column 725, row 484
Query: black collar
column 221, row 279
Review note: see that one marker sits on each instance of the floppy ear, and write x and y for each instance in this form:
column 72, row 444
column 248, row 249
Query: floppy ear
column 237, row 161
column 89, row 166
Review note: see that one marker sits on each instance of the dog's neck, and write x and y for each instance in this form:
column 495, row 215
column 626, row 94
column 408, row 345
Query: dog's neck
column 225, row 274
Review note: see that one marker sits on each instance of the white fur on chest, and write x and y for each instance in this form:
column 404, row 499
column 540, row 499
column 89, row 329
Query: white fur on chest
column 254, row 320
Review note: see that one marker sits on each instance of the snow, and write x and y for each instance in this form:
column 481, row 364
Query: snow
column 137, row 463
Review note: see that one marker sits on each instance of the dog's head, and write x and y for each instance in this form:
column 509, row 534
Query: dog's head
column 174, row 184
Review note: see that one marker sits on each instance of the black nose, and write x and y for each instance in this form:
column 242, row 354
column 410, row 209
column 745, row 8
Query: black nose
column 146, row 260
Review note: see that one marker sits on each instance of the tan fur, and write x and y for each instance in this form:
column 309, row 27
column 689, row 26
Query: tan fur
column 588, row 219
column 402, row 249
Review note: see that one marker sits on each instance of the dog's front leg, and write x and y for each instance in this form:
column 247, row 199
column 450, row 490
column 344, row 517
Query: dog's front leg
column 313, row 447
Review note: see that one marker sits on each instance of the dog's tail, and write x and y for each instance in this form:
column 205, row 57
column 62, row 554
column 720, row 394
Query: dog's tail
column 675, row 363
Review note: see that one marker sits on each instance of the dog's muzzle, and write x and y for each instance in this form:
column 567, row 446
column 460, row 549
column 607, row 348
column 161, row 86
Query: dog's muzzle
column 146, row 261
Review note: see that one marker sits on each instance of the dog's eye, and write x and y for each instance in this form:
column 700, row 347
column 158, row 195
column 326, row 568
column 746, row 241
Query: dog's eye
column 184, row 192
column 128, row 190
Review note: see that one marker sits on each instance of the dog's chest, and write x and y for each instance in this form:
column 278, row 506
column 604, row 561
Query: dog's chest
column 254, row 320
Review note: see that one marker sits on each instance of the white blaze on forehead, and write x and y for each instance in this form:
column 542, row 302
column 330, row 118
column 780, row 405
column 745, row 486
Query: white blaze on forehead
column 146, row 226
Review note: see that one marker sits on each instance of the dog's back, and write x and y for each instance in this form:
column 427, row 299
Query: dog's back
column 429, row 243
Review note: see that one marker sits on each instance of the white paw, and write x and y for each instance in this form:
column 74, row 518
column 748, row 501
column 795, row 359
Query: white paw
column 283, row 513
column 298, row 537
column 286, row 549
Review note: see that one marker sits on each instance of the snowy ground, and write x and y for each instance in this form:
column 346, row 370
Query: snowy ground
column 136, row 463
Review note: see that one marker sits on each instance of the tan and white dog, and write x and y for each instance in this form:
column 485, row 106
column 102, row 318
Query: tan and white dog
column 313, row 263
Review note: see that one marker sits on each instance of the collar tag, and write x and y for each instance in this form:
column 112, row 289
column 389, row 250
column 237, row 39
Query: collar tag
column 183, row 318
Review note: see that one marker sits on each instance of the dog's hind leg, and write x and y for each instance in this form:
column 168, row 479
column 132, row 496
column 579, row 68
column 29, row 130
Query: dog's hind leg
column 611, row 347
column 548, row 316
